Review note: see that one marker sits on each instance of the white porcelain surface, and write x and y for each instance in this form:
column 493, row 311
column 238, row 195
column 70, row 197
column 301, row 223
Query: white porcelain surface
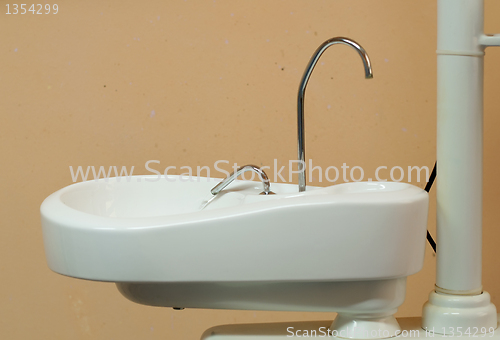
column 243, row 246
column 352, row 297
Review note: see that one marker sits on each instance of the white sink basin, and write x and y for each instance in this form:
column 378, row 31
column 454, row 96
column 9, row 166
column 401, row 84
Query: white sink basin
column 341, row 248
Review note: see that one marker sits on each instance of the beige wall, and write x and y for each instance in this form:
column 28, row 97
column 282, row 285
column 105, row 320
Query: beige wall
column 79, row 88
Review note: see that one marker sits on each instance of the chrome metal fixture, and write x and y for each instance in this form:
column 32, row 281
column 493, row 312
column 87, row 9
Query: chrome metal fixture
column 265, row 180
column 302, row 90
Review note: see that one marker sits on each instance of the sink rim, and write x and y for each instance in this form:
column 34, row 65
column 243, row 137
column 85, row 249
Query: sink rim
column 55, row 209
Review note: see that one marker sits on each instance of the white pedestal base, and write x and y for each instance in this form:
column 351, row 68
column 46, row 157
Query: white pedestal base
column 444, row 312
column 410, row 329
column 365, row 326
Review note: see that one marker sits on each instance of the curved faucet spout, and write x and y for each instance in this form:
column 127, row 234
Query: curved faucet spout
column 263, row 177
column 302, row 89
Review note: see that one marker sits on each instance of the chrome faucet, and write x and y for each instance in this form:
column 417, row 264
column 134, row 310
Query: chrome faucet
column 263, row 177
column 302, row 90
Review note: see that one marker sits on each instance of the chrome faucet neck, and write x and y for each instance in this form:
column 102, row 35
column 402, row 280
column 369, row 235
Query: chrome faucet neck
column 302, row 90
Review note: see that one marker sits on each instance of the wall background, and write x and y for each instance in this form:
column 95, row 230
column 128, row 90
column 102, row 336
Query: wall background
column 192, row 82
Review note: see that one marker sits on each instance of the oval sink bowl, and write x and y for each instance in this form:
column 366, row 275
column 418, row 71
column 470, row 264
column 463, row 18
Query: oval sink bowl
column 344, row 248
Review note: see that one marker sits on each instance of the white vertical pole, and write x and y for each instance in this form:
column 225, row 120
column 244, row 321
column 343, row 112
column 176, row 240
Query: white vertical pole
column 459, row 300
column 459, row 146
